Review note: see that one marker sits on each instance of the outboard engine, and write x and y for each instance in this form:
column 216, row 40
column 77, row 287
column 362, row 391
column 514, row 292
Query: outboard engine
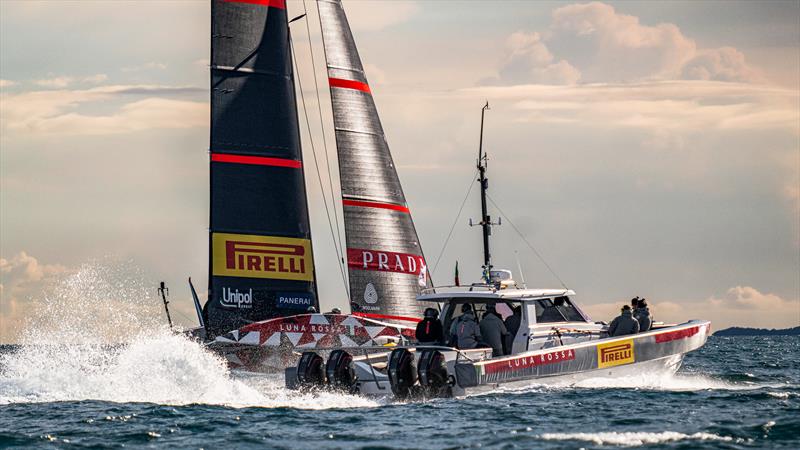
column 310, row 370
column 402, row 375
column 339, row 371
column 433, row 375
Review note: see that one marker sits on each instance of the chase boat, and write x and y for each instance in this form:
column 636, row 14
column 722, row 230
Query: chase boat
column 556, row 341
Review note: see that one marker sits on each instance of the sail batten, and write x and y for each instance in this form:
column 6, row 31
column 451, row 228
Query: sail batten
column 385, row 262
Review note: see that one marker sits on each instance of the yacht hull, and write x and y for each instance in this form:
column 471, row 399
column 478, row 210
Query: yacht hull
column 270, row 346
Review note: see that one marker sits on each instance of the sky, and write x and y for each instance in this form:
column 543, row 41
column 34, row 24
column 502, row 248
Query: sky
column 642, row 148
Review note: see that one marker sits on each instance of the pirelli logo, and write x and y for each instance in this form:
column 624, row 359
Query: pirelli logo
column 251, row 256
column 615, row 353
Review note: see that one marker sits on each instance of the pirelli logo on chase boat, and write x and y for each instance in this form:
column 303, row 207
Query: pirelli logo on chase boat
column 615, row 353
column 251, row 256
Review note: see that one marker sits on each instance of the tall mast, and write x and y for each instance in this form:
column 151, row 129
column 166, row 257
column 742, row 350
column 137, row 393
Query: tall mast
column 486, row 221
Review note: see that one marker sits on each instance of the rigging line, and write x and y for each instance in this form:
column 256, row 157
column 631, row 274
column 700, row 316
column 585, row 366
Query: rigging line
column 552, row 272
column 322, row 127
column 316, row 165
column 455, row 221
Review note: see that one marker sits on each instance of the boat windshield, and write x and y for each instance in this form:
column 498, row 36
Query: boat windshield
column 453, row 311
column 559, row 309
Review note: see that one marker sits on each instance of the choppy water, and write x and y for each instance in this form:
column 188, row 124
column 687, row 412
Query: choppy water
column 162, row 390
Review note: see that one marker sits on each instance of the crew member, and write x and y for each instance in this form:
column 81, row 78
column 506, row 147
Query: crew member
column 467, row 331
column 642, row 315
column 493, row 330
column 429, row 330
column 512, row 325
column 335, row 311
column 623, row 324
column 311, row 310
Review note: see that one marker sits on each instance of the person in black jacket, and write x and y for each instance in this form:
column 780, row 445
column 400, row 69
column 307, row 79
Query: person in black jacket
column 429, row 330
column 512, row 325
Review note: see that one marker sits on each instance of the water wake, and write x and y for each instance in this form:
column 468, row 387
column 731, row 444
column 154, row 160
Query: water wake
column 632, row 439
column 97, row 336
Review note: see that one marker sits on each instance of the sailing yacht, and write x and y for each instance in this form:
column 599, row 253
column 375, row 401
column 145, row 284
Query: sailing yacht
column 262, row 293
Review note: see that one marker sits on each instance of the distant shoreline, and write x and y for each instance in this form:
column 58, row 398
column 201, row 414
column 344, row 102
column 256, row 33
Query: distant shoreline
column 743, row 331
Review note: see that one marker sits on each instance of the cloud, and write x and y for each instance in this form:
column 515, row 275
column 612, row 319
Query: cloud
column 657, row 106
column 6, row 83
column 22, row 278
column 62, row 82
column 595, row 43
column 58, row 82
column 53, row 112
column 721, row 64
column 151, row 65
column 739, row 306
column 373, row 16
column 529, row 61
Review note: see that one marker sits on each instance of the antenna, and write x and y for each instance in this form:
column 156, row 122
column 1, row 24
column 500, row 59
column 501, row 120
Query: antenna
column 486, row 220
column 163, row 290
column 519, row 268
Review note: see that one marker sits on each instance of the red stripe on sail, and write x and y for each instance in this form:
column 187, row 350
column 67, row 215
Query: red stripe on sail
column 280, row 4
column 349, row 84
column 256, row 160
column 675, row 335
column 381, row 205
column 386, row 316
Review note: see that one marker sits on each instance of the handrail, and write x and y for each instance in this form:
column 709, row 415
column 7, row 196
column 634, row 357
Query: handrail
column 470, row 288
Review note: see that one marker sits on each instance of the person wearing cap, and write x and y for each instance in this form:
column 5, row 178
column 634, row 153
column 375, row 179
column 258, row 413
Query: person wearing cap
column 624, row 324
column 429, row 330
column 311, row 310
column 335, row 311
column 642, row 315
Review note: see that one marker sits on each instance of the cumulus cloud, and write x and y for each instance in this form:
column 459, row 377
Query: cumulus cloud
column 739, row 306
column 22, row 277
column 530, row 61
column 594, row 42
column 722, row 64
column 53, row 112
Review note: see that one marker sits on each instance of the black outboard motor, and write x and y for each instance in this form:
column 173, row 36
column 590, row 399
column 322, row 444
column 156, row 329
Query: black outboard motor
column 310, row 370
column 339, row 371
column 433, row 376
column 402, row 375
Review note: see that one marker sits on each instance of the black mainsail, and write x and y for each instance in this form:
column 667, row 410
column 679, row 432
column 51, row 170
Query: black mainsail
column 261, row 263
column 385, row 262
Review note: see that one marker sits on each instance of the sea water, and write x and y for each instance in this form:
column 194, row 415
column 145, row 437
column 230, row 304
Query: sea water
column 65, row 386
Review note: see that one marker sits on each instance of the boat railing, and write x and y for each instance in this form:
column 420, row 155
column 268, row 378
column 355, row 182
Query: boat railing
column 480, row 287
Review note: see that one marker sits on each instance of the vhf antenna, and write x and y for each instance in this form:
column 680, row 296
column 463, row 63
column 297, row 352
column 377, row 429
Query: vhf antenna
column 163, row 290
column 486, row 220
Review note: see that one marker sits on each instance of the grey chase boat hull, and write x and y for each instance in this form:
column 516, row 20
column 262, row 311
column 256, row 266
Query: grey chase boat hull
column 472, row 372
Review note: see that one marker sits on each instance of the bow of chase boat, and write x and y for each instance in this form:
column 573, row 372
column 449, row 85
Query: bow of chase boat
column 556, row 341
